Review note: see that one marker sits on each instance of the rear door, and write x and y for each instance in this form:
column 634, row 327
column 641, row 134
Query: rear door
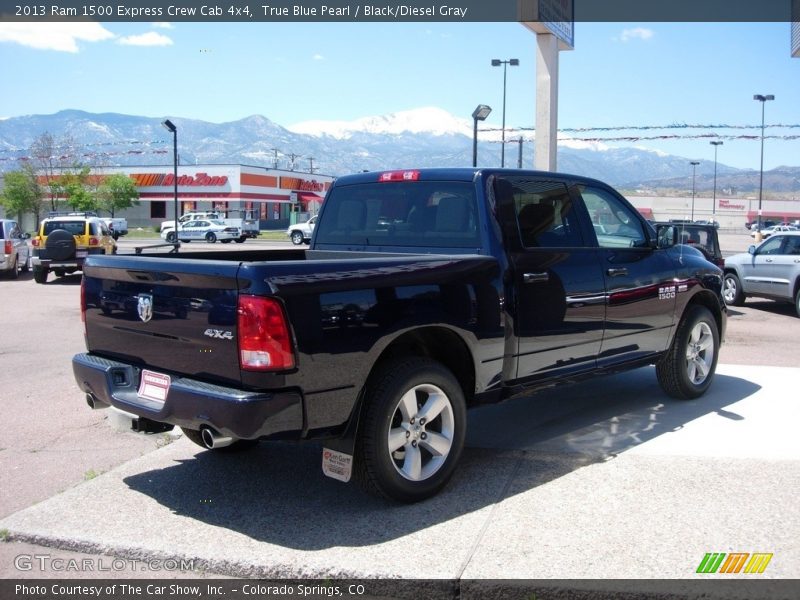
column 639, row 280
column 558, row 285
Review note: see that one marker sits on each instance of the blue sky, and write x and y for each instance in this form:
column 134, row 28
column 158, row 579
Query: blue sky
column 619, row 74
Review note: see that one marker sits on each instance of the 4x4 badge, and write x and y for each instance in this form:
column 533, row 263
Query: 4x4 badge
column 145, row 307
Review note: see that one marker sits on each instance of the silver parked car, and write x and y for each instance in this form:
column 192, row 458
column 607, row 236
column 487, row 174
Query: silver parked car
column 16, row 251
column 771, row 270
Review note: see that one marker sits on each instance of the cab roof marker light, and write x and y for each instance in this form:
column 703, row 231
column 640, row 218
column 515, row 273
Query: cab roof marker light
column 398, row 176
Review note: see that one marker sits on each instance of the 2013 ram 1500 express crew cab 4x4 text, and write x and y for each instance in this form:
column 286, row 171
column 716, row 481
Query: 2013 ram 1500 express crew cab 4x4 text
column 423, row 293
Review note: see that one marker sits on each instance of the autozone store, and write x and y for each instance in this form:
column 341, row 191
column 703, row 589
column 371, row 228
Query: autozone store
column 271, row 194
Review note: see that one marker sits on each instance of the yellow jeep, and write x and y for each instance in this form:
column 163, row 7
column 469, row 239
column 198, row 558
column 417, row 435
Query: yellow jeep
column 64, row 240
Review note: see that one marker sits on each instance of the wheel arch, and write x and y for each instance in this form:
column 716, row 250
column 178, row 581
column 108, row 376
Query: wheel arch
column 437, row 343
column 708, row 300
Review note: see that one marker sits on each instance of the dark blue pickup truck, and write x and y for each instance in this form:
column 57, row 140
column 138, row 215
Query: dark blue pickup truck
column 424, row 292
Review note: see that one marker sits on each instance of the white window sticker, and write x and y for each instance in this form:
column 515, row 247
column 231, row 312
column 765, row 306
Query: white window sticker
column 154, row 386
column 337, row 465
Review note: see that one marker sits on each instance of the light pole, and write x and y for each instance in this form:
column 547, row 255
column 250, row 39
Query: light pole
column 479, row 114
column 514, row 62
column 694, row 164
column 763, row 100
column 170, row 126
column 714, row 201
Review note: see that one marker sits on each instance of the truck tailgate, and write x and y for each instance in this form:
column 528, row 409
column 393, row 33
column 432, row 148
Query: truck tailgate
column 178, row 316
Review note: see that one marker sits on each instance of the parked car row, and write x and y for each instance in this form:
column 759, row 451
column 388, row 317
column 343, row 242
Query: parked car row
column 768, row 231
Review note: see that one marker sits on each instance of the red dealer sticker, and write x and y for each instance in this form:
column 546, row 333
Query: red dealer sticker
column 154, row 386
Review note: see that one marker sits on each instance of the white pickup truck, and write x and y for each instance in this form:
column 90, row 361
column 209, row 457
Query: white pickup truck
column 300, row 233
column 117, row 225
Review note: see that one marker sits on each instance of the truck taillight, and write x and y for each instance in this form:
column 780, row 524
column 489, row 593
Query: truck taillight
column 264, row 342
column 7, row 247
column 36, row 242
column 398, row 176
column 93, row 241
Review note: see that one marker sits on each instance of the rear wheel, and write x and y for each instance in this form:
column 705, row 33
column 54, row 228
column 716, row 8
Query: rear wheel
column 412, row 431
column 732, row 290
column 40, row 275
column 172, row 237
column 240, row 240
column 688, row 367
column 14, row 271
column 238, row 446
column 211, row 237
column 797, row 302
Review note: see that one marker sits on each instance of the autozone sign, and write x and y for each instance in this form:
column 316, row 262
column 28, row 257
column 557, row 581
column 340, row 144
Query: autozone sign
column 166, row 179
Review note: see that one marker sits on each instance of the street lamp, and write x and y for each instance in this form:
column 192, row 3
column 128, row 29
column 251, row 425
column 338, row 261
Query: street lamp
column 514, row 62
column 694, row 164
column 714, row 201
column 763, row 100
column 170, row 126
column 479, row 114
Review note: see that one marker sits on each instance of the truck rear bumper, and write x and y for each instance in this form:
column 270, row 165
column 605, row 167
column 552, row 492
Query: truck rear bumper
column 191, row 403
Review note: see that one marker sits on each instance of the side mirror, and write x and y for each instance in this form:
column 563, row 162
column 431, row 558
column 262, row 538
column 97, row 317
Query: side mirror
column 26, row 236
column 752, row 250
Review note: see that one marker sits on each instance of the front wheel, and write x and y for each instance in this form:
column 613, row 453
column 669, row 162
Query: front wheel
column 172, row 237
column 732, row 290
column 688, row 367
column 297, row 238
column 797, row 302
column 412, row 431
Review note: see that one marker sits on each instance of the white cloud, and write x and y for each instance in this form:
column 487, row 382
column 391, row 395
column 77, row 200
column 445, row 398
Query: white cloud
column 61, row 37
column 637, row 33
column 151, row 38
column 163, row 25
column 318, row 57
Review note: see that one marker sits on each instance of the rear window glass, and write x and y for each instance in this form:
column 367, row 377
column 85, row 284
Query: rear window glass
column 439, row 214
column 74, row 227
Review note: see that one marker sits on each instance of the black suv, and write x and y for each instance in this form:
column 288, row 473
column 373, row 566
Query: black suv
column 703, row 237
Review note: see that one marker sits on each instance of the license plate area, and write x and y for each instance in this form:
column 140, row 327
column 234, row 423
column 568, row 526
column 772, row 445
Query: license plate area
column 154, row 386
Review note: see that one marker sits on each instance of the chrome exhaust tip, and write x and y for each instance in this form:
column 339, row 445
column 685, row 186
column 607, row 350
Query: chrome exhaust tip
column 94, row 403
column 212, row 439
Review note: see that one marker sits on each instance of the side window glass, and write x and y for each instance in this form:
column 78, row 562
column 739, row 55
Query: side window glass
column 615, row 223
column 772, row 246
column 545, row 214
column 793, row 245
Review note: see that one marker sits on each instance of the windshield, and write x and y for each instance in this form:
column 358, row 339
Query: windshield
column 439, row 214
column 74, row 227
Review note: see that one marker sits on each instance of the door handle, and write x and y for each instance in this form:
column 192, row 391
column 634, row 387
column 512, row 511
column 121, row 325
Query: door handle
column 769, row 260
column 535, row 277
column 617, row 271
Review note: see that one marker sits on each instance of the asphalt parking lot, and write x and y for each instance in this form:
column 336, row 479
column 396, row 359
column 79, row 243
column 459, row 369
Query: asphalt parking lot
column 589, row 481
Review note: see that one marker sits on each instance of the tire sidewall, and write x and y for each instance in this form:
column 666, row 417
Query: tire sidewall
column 297, row 238
column 402, row 376
column 738, row 297
column 211, row 238
column 697, row 315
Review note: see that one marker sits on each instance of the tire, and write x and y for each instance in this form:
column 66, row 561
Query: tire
column 237, row 446
column 210, row 237
column 13, row 273
column 688, row 367
column 797, row 302
column 26, row 267
column 60, row 245
column 240, row 240
column 172, row 237
column 297, row 238
column 395, row 455
column 732, row 290
column 40, row 275
column 225, row 241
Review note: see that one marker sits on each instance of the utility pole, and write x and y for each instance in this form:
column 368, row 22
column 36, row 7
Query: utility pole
column 275, row 160
column 311, row 164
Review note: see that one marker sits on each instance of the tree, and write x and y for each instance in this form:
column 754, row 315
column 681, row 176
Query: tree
column 50, row 158
column 74, row 187
column 22, row 192
column 117, row 192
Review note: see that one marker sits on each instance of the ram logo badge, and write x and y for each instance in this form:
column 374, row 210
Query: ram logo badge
column 218, row 334
column 145, row 307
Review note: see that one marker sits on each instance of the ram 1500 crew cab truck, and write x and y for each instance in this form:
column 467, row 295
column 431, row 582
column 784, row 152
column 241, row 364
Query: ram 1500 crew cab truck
column 423, row 293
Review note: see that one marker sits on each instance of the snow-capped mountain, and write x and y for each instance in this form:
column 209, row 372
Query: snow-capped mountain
column 428, row 120
column 426, row 137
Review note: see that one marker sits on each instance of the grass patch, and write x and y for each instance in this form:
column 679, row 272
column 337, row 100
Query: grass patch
column 4, row 535
column 90, row 474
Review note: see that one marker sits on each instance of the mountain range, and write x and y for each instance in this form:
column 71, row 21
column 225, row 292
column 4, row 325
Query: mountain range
column 425, row 137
